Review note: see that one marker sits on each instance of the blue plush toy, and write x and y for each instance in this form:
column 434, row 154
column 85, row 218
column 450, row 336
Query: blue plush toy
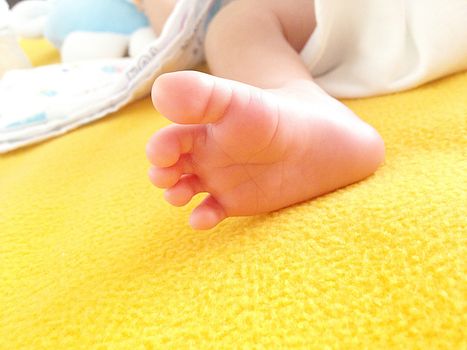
column 85, row 29
column 115, row 16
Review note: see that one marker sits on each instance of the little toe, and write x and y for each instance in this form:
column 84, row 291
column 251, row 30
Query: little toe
column 207, row 215
column 183, row 191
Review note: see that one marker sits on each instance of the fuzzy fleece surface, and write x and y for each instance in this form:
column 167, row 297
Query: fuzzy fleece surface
column 91, row 257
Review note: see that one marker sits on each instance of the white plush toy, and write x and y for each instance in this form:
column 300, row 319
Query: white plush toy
column 85, row 29
column 11, row 55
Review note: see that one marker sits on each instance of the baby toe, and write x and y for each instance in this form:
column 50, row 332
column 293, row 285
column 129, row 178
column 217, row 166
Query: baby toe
column 167, row 145
column 184, row 190
column 207, row 215
column 164, row 177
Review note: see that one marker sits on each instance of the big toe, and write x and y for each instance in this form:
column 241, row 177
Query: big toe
column 189, row 97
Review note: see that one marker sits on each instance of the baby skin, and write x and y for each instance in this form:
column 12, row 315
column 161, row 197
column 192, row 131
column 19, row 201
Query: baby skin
column 257, row 135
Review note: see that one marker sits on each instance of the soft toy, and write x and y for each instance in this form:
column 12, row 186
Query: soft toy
column 85, row 29
column 11, row 55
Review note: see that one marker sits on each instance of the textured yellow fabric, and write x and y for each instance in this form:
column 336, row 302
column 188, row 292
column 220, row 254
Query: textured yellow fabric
column 92, row 257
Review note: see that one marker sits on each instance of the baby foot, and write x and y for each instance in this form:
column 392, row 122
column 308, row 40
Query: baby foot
column 254, row 150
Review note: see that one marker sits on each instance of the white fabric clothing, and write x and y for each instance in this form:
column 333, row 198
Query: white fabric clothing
column 370, row 47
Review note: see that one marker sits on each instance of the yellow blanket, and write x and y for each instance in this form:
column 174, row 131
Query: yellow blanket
column 92, row 257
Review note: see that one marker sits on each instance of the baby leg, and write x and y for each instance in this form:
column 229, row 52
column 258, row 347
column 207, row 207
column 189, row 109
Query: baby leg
column 157, row 11
column 260, row 135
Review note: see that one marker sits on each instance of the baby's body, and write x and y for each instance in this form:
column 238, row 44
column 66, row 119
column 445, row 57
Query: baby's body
column 257, row 135
column 260, row 134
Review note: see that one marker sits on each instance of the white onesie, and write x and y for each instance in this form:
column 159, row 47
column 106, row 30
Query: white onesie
column 370, row 47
